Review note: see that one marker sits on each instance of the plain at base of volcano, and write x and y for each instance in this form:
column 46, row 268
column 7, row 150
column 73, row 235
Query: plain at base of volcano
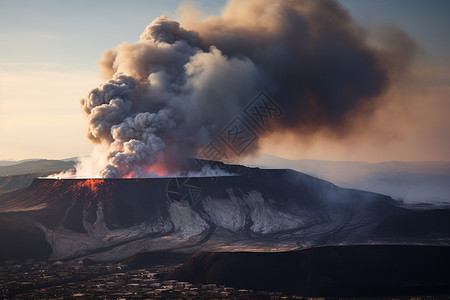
column 329, row 271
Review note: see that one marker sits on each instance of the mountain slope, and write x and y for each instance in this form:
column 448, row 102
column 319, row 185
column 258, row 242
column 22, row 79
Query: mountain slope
column 36, row 166
column 15, row 182
column 110, row 219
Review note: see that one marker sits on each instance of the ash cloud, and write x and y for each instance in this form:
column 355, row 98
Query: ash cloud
column 171, row 93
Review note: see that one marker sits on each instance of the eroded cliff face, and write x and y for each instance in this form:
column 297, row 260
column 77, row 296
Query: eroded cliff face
column 254, row 209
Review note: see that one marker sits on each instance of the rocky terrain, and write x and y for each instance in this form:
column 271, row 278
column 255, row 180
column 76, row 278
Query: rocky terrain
column 254, row 209
column 332, row 271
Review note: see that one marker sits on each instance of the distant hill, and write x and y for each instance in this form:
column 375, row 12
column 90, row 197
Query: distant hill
column 424, row 181
column 20, row 174
column 7, row 163
column 36, row 166
column 4, row 163
column 75, row 158
column 15, row 182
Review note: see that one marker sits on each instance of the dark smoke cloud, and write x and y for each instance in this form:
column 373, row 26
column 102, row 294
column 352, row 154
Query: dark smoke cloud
column 175, row 90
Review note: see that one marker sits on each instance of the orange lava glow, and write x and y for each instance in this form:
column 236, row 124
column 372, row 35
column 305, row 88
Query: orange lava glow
column 129, row 175
column 158, row 169
column 91, row 184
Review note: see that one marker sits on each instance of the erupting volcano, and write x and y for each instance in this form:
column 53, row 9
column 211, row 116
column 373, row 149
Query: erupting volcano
column 177, row 113
column 255, row 209
column 214, row 88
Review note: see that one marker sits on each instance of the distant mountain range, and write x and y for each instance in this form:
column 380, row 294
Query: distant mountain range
column 33, row 161
column 5, row 163
column 424, row 181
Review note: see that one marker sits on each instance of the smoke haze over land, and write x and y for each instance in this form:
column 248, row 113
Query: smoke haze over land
column 182, row 85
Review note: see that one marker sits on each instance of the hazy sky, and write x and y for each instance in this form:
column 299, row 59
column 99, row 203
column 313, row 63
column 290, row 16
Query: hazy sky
column 49, row 50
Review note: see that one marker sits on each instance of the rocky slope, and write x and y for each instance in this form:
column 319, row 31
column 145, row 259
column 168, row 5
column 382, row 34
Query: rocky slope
column 255, row 209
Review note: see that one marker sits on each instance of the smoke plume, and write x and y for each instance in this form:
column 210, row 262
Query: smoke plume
column 172, row 93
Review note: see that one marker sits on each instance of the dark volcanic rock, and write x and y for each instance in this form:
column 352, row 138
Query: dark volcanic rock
column 336, row 271
column 431, row 222
column 147, row 259
column 111, row 219
column 22, row 240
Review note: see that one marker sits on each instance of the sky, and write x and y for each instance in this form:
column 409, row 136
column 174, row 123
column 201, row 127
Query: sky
column 49, row 50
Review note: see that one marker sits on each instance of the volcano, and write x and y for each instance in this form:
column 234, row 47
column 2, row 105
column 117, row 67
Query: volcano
column 252, row 210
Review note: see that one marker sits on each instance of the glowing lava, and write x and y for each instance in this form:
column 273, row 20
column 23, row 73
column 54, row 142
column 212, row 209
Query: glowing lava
column 154, row 170
column 92, row 184
column 159, row 169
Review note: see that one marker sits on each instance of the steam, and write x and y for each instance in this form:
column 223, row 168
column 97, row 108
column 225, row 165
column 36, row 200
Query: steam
column 174, row 91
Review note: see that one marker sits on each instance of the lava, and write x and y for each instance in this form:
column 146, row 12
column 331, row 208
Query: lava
column 92, row 184
column 130, row 175
column 153, row 170
column 159, row 169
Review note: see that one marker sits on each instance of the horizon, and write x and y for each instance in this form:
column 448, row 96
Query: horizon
column 249, row 158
